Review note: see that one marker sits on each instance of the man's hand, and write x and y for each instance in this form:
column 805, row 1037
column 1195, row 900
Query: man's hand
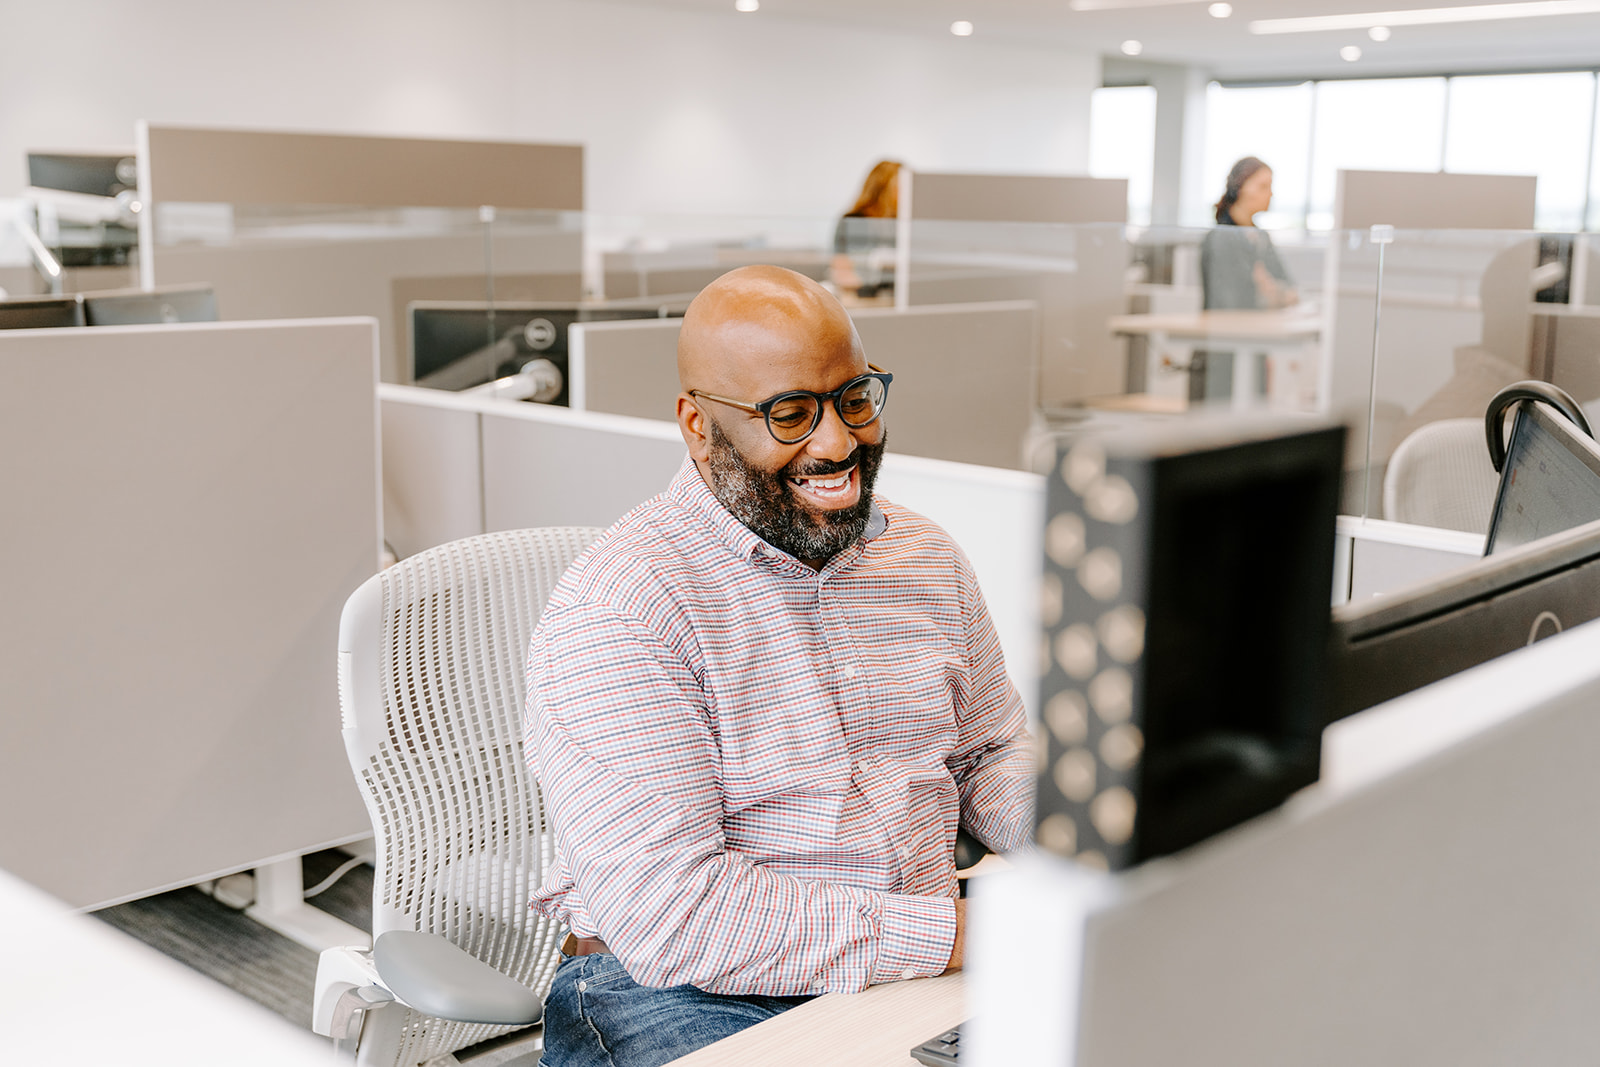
column 959, row 949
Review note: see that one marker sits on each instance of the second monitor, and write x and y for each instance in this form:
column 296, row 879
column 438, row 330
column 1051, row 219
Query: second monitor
column 459, row 344
column 140, row 307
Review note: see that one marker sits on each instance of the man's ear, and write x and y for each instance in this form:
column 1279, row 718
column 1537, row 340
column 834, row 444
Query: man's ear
column 692, row 424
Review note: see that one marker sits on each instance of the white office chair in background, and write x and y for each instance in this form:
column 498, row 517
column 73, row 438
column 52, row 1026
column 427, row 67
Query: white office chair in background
column 1441, row 476
column 432, row 655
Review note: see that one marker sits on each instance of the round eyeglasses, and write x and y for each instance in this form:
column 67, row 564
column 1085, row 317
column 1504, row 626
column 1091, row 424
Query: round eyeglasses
column 793, row 416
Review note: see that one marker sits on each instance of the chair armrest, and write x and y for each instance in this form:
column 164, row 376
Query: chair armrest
column 338, row 971
column 434, row 976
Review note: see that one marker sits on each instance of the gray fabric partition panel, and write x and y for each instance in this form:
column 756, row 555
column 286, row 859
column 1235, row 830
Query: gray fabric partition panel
column 963, row 388
column 187, row 509
column 1410, row 200
column 225, row 166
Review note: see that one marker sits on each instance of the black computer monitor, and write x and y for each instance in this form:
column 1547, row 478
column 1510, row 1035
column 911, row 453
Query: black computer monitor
column 459, row 344
column 1187, row 678
column 134, row 307
column 89, row 173
column 39, row 312
column 1391, row 644
column 1550, row 481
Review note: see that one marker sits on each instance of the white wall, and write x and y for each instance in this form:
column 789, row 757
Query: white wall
column 682, row 112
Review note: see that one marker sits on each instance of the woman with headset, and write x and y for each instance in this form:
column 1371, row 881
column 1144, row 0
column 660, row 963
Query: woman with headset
column 1239, row 268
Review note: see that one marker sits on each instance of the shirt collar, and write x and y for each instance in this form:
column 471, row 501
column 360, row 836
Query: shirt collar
column 690, row 489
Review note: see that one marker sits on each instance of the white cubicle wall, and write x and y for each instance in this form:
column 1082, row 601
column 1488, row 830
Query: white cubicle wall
column 1431, row 900
column 963, row 388
column 1373, row 557
column 455, row 465
column 186, row 509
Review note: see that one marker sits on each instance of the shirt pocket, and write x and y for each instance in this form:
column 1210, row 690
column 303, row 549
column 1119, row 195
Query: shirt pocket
column 786, row 744
column 914, row 675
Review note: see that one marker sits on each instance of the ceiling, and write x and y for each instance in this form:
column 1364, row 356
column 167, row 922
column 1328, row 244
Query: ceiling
column 1184, row 33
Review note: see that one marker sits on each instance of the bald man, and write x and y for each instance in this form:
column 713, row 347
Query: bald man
column 760, row 705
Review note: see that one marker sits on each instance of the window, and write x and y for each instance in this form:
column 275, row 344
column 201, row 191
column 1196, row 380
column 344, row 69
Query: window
column 1122, row 142
column 1539, row 124
column 1272, row 123
column 1381, row 124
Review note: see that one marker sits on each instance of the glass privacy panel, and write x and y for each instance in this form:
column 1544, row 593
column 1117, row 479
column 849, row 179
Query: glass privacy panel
column 1464, row 314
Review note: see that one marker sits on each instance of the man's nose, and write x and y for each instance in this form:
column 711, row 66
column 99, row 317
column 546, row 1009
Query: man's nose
column 831, row 439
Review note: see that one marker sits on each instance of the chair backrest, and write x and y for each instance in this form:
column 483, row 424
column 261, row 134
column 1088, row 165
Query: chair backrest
column 432, row 660
column 1441, row 476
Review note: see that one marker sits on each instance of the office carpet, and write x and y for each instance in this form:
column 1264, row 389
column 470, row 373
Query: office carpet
column 267, row 967
column 233, row 949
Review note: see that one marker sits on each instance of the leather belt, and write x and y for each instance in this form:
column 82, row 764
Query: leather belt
column 583, row 946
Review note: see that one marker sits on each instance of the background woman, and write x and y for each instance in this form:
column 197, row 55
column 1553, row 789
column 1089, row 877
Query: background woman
column 1239, row 268
column 863, row 242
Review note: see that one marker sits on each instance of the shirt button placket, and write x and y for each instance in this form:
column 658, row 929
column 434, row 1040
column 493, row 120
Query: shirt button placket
column 841, row 653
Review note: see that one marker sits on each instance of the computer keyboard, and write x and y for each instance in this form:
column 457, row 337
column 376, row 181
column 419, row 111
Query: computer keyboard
column 941, row 1051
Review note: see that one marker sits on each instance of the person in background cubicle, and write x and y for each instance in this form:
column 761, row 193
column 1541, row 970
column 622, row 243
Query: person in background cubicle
column 1239, row 268
column 864, row 240
column 760, row 705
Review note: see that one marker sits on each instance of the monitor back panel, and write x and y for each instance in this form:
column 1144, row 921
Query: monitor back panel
column 137, row 307
column 1185, row 594
column 1390, row 645
column 458, row 344
column 40, row 312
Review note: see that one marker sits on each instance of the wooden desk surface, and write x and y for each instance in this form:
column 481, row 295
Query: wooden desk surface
column 874, row 1028
column 1276, row 325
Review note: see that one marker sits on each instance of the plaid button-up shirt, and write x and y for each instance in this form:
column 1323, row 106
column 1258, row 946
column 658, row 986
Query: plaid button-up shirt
column 754, row 770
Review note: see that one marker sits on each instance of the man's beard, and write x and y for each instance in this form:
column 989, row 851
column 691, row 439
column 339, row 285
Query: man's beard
column 765, row 501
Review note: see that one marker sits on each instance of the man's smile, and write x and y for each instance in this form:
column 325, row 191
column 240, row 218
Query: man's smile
column 836, row 489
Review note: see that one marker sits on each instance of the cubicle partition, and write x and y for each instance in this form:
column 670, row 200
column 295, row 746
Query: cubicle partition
column 296, row 224
column 963, row 387
column 187, row 508
column 455, row 466
column 1396, row 326
column 1055, row 240
column 1416, row 324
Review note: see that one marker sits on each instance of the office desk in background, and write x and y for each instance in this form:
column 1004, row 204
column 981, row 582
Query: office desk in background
column 1279, row 333
column 877, row 1027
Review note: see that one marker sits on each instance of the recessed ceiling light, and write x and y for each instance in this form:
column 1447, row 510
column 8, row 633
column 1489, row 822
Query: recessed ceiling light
column 1427, row 16
column 747, row 5
column 1349, row 53
column 961, row 28
column 1131, row 48
column 1379, row 33
column 1107, row 5
column 1220, row 10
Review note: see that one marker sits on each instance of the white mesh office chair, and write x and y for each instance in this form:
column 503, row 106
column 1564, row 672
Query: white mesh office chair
column 432, row 655
column 1441, row 476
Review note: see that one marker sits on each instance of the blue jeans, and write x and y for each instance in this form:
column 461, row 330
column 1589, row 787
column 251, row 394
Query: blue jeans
column 596, row 1016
